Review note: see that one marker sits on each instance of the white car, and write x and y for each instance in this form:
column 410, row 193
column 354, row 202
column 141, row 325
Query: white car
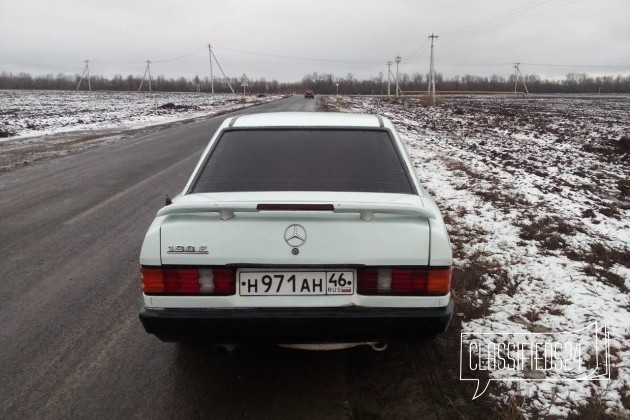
column 299, row 228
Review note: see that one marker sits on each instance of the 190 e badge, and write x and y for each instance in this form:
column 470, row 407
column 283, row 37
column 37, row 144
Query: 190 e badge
column 186, row 249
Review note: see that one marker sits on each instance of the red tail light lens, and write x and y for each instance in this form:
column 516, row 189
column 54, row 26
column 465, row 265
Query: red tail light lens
column 404, row 281
column 224, row 283
column 295, row 207
column 185, row 281
column 409, row 282
column 152, row 280
column 368, row 281
column 188, row 281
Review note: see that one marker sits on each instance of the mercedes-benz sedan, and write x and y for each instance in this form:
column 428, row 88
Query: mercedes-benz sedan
column 298, row 228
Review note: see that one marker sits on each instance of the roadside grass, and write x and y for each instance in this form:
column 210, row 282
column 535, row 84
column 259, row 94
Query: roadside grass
column 600, row 259
column 594, row 407
column 548, row 231
column 329, row 104
column 499, row 197
column 469, row 286
column 474, row 296
column 611, row 150
column 561, row 299
column 426, row 101
column 513, row 409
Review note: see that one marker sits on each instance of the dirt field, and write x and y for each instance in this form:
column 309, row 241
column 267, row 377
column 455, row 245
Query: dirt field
column 536, row 193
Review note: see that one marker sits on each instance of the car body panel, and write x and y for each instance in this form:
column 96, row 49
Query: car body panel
column 258, row 239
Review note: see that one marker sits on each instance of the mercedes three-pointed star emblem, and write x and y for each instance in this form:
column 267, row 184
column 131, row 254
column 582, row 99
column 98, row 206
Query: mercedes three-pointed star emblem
column 295, row 235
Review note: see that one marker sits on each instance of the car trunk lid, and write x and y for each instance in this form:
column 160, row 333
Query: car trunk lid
column 296, row 229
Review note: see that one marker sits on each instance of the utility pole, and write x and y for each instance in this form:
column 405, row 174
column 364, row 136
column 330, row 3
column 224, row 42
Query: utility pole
column 211, row 75
column 222, row 72
column 389, row 72
column 518, row 75
column 398, row 59
column 86, row 69
column 431, row 87
column 147, row 70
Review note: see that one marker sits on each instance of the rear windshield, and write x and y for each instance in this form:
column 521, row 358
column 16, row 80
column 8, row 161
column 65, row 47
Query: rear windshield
column 304, row 160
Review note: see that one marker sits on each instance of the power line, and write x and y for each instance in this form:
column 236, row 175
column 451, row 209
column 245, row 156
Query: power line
column 447, row 63
column 179, row 57
column 492, row 19
column 420, row 48
column 118, row 62
column 500, row 19
column 476, row 26
column 153, row 61
column 621, row 66
column 557, row 6
column 292, row 57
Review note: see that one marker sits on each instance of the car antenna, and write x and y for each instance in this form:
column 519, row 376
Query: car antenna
column 168, row 200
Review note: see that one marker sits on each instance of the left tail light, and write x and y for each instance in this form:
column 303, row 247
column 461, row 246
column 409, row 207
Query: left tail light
column 188, row 281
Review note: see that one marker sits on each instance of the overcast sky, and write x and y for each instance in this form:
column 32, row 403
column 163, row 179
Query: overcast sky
column 285, row 40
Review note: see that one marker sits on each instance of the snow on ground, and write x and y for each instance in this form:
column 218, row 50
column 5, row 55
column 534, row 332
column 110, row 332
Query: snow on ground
column 37, row 125
column 25, row 114
column 536, row 192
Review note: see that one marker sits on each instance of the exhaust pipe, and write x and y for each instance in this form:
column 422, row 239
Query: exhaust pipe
column 375, row 345
column 227, row 348
column 378, row 346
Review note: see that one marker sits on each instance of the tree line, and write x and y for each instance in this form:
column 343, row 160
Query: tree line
column 325, row 83
column 417, row 82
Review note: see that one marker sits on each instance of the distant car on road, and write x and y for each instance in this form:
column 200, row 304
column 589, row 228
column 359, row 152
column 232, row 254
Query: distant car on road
column 299, row 228
column 309, row 94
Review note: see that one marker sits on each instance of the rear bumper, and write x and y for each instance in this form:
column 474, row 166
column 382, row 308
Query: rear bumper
column 295, row 325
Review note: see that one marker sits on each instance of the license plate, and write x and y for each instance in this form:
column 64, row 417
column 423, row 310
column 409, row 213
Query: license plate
column 291, row 283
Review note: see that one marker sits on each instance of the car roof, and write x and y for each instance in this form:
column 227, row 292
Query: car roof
column 308, row 119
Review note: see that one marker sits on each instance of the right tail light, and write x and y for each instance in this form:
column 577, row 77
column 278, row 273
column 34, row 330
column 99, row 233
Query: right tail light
column 405, row 281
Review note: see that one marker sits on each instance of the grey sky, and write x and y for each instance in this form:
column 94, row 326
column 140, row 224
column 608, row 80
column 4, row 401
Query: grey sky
column 480, row 37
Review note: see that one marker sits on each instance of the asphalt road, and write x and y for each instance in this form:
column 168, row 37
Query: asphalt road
column 71, row 344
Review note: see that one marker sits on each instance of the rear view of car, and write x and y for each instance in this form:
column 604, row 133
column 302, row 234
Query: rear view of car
column 298, row 228
column 309, row 94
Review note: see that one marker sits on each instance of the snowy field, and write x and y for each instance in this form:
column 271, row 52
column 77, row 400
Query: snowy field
column 536, row 193
column 25, row 114
column 37, row 125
